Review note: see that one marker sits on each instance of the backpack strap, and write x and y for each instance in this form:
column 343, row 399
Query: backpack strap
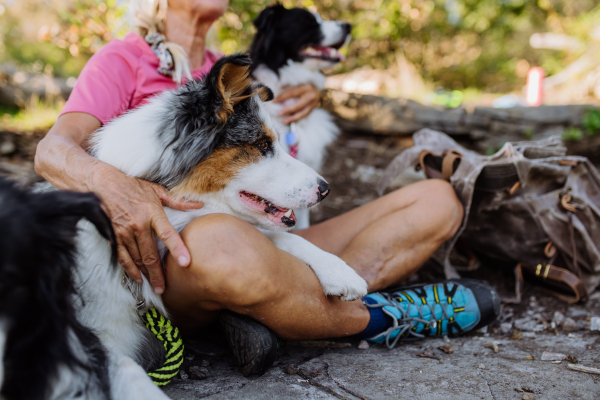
column 439, row 167
column 559, row 282
column 449, row 164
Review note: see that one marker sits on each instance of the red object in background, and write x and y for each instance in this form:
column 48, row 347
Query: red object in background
column 535, row 87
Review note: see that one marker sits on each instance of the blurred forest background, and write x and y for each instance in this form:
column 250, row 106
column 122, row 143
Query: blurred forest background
column 401, row 47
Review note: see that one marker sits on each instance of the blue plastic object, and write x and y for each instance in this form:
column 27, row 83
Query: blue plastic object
column 290, row 138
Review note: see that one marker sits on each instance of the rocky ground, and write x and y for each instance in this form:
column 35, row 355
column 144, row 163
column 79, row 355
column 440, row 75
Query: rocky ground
column 465, row 368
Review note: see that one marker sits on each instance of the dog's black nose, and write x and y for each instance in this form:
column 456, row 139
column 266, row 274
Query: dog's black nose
column 323, row 189
column 347, row 28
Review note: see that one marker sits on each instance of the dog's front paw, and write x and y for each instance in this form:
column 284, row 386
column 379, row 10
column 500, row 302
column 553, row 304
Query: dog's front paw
column 345, row 283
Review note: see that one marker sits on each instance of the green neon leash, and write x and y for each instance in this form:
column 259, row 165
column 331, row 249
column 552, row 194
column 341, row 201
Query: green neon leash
column 171, row 340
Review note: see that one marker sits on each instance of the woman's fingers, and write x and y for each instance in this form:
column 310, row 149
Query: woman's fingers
column 127, row 263
column 290, row 93
column 298, row 116
column 169, row 236
column 169, row 201
column 301, row 104
column 308, row 99
column 151, row 260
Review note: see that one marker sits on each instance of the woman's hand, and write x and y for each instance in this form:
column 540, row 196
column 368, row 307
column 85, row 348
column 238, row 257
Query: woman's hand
column 308, row 97
column 136, row 210
column 134, row 206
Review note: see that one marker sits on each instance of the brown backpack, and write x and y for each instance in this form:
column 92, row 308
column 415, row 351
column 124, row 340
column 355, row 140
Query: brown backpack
column 529, row 204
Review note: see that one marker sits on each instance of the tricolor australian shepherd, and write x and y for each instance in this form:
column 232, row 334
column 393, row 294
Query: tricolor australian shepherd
column 211, row 141
column 290, row 48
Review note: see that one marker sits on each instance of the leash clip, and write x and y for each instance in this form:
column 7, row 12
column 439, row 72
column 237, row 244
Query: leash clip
column 140, row 306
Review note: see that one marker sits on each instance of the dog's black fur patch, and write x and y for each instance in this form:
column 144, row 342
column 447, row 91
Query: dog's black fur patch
column 37, row 255
column 193, row 116
column 281, row 34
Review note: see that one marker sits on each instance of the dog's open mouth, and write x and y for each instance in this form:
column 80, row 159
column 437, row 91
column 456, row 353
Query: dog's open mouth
column 323, row 53
column 274, row 213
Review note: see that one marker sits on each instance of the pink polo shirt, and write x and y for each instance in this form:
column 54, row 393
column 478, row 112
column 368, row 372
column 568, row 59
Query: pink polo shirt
column 120, row 76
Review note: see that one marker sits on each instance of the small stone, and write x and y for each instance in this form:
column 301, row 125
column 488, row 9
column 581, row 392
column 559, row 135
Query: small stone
column 526, row 324
column 481, row 366
column 291, row 369
column 549, row 356
column 516, row 334
column 446, row 349
column 197, row 373
column 363, row 345
column 569, row 325
column 529, row 335
column 595, row 324
column 183, row 375
column 205, row 363
column 558, row 317
column 7, row 148
column 574, row 336
column 484, row 329
column 190, row 358
column 530, row 358
column 528, row 396
column 577, row 312
column 505, row 327
column 556, row 362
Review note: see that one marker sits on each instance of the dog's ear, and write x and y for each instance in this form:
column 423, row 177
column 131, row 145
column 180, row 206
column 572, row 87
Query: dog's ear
column 230, row 78
column 68, row 208
column 264, row 92
column 267, row 17
column 265, row 35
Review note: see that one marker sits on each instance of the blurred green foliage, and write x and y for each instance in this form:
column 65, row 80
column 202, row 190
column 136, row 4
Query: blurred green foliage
column 591, row 122
column 572, row 134
column 455, row 44
column 74, row 32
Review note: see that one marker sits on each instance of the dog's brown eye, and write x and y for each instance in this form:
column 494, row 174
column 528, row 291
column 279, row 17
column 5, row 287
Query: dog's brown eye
column 263, row 146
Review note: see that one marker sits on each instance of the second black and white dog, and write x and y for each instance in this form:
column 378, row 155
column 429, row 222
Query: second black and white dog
column 45, row 351
column 290, row 48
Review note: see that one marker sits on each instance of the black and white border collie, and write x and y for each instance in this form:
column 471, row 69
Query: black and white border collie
column 290, row 48
column 45, row 352
column 211, row 141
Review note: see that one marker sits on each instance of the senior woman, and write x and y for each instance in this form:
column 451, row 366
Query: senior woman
column 219, row 262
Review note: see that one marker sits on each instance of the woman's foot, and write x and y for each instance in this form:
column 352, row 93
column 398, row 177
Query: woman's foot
column 254, row 346
column 446, row 308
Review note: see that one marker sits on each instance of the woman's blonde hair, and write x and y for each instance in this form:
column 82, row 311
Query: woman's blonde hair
column 147, row 17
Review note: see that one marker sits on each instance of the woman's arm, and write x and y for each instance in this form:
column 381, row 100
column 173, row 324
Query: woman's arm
column 134, row 205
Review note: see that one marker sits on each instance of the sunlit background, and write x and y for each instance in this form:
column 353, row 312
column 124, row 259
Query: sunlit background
column 400, row 48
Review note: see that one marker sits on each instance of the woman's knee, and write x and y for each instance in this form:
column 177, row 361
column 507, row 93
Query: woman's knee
column 448, row 206
column 230, row 259
column 444, row 208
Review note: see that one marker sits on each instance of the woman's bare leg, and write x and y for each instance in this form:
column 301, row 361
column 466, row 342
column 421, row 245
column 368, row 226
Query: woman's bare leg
column 236, row 267
column 388, row 239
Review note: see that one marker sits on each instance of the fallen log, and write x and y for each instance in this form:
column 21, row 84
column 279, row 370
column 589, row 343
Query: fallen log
column 387, row 116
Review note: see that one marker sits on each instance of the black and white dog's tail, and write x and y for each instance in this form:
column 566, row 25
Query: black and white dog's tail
column 41, row 341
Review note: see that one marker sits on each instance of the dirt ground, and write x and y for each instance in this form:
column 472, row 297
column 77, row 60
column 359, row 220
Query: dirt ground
column 332, row 370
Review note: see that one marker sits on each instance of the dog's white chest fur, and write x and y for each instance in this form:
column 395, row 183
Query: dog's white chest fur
column 314, row 133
